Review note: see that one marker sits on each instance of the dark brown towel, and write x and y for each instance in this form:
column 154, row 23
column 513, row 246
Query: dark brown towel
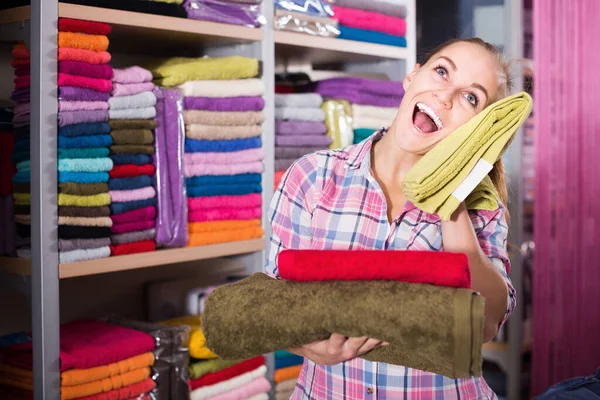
column 132, row 136
column 116, row 124
column 21, row 187
column 430, row 328
column 82, row 189
column 88, row 212
column 22, row 209
column 132, row 149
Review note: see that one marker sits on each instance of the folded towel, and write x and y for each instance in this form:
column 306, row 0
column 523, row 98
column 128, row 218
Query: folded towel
column 81, row 221
column 130, row 183
column 20, row 187
column 300, row 128
column 223, row 179
column 82, row 232
column 221, row 214
column 300, row 114
column 82, row 41
column 140, row 214
column 84, row 141
column 137, row 391
column 303, row 141
column 371, row 21
column 288, row 362
column 131, row 237
column 83, row 177
column 370, row 122
column 21, row 71
column 82, row 26
column 279, row 354
column 140, row 100
column 211, row 146
column 21, row 176
column 102, row 199
column 86, row 56
column 132, row 226
column 132, row 136
column 242, row 156
column 196, row 343
column 294, row 152
column 199, row 369
column 66, row 257
column 22, row 198
column 363, row 35
column 65, row 245
column 361, row 134
column 23, row 108
column 137, row 159
column 22, row 82
column 243, row 103
column 86, row 152
column 85, row 164
column 383, row 113
column 221, row 386
column 23, row 219
column 180, row 70
column 285, row 374
column 89, row 212
column 212, row 132
column 130, row 170
column 119, row 208
column 441, row 330
column 133, row 74
column 74, row 93
column 101, row 71
column 82, row 189
column 132, row 149
column 206, row 203
column 223, row 190
column 119, row 196
column 105, row 385
column 227, row 88
column 222, row 118
column 299, row 100
column 444, row 177
column 100, row 85
column 128, row 89
column 222, row 226
column 132, row 124
column 287, row 385
column 132, row 248
column 133, row 113
column 393, row 8
column 24, row 165
column 248, row 390
column 225, row 236
column 64, row 105
column 254, row 167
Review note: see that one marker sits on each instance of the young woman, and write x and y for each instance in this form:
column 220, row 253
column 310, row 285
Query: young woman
column 352, row 199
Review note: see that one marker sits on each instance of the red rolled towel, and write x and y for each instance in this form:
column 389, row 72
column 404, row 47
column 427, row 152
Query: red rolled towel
column 131, row 170
column 22, row 82
column 141, row 214
column 132, row 248
column 283, row 89
column 81, row 26
column 228, row 373
column 22, row 71
column 20, row 62
column 78, row 68
column 21, row 52
column 132, row 226
column 101, row 85
column 429, row 267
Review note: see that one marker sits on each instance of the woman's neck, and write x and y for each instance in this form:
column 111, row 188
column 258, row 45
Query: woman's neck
column 390, row 162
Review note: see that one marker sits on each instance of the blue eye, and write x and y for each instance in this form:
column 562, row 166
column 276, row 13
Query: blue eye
column 471, row 98
column 441, row 71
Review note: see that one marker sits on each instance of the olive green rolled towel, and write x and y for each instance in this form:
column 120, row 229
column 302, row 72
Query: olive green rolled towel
column 132, row 136
column 457, row 168
column 430, row 328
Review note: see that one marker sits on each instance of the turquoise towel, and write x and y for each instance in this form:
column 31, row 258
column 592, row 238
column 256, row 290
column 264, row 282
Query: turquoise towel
column 83, row 177
column 363, row 35
column 85, row 164
column 223, row 190
column 84, row 141
column 90, row 152
column 283, row 354
column 22, row 177
column 17, row 157
column 24, row 166
column 222, row 179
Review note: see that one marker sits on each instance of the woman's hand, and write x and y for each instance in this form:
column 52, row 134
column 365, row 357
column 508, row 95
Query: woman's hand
column 336, row 349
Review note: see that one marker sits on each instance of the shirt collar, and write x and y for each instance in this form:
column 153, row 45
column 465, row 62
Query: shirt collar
column 361, row 153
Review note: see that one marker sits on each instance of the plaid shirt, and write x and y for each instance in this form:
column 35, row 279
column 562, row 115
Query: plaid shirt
column 330, row 200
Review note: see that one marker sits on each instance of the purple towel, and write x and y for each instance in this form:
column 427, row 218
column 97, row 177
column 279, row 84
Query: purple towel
column 80, row 117
column 374, row 86
column 71, row 93
column 300, row 128
column 303, row 140
column 244, row 103
column 282, row 153
column 223, row 11
column 21, row 96
column 357, row 97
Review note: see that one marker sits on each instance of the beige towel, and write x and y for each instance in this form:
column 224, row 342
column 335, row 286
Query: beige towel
column 224, row 88
column 82, row 221
column 226, row 118
column 220, row 132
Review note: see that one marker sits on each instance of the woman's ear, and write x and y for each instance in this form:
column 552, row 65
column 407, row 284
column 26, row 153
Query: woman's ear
column 409, row 78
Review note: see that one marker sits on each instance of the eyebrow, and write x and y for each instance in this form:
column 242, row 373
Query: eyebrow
column 475, row 85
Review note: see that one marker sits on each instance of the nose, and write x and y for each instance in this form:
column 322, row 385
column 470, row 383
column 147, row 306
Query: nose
column 444, row 97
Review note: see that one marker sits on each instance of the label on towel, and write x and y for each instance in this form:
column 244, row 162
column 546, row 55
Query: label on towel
column 479, row 171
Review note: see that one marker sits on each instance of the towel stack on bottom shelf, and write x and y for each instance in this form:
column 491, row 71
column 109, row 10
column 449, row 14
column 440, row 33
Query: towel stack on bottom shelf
column 7, row 168
column 367, row 119
column 287, row 370
column 133, row 209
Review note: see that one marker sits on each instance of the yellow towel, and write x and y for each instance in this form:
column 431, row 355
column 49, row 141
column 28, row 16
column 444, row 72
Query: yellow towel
column 438, row 182
column 22, row 199
column 197, row 343
column 102, row 199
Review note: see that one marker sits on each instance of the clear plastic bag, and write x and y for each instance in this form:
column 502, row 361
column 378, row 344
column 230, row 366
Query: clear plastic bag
column 338, row 118
column 225, row 12
column 297, row 22
column 314, row 8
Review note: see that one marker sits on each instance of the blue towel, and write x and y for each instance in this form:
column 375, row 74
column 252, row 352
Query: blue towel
column 94, row 128
column 22, row 177
column 21, row 145
column 118, row 208
column 137, row 159
column 205, row 146
column 129, row 183
column 363, row 35
column 20, row 156
column 288, row 361
column 24, row 165
column 85, row 164
column 90, row 152
column 222, row 179
column 283, row 354
column 223, row 190
column 83, row 177
column 84, row 141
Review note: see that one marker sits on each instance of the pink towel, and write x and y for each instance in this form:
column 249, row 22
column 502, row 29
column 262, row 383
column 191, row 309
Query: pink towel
column 22, row 109
column 141, row 214
column 209, row 202
column 370, row 21
column 252, row 388
column 242, row 156
column 132, row 75
column 127, row 89
column 119, row 196
column 132, row 226
column 221, row 214
column 101, row 85
column 223, row 169
column 64, row 105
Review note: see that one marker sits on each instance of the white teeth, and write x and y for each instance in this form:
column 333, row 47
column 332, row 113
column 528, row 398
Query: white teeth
column 424, row 108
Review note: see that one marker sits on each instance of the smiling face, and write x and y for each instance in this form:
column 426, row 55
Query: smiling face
column 455, row 84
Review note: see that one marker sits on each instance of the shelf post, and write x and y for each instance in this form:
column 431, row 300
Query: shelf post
column 44, row 254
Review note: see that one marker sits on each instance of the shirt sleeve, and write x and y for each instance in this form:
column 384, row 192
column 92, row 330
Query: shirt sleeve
column 290, row 212
column 492, row 234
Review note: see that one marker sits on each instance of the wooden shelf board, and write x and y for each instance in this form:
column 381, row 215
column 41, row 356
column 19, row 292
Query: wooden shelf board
column 15, row 265
column 299, row 46
column 496, row 346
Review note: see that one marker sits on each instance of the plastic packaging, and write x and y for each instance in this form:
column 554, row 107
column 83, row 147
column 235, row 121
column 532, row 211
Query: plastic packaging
column 171, row 221
column 225, row 12
column 298, row 22
column 314, row 8
column 338, row 118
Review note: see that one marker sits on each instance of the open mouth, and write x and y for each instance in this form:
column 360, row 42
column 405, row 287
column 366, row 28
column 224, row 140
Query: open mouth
column 425, row 119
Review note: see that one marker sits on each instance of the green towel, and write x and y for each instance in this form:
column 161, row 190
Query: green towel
column 431, row 183
column 430, row 328
column 201, row 368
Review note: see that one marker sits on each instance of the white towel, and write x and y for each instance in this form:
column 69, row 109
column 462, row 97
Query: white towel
column 383, row 113
column 260, row 396
column 216, row 132
column 133, row 113
column 313, row 100
column 224, row 88
column 140, row 100
column 221, row 387
column 369, row 122
column 65, row 257
column 300, row 114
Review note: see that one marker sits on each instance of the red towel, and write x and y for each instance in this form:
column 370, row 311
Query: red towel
column 21, row 53
column 141, row 214
column 100, row 71
column 22, row 71
column 81, row 26
column 131, row 170
column 132, row 248
column 227, row 373
column 7, row 144
column 86, row 344
column 101, row 85
column 127, row 392
column 132, row 226
column 370, row 21
column 22, row 82
column 283, row 89
column 20, row 62
column 431, row 267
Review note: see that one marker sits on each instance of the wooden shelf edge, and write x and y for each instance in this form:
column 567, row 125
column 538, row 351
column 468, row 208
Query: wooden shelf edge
column 14, row 265
column 17, row 14
column 496, row 346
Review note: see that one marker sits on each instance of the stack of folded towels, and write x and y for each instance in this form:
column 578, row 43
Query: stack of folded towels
column 223, row 148
column 133, row 196
column 367, row 119
column 314, row 17
column 374, row 21
column 211, row 377
column 7, row 204
column 83, row 140
column 299, row 128
column 97, row 361
column 287, row 370
column 235, row 12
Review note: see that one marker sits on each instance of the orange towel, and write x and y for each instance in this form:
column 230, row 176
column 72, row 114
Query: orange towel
column 137, row 391
column 82, row 41
column 214, row 226
column 233, row 235
column 86, row 56
column 284, row 374
column 82, row 376
column 104, row 385
column 20, row 51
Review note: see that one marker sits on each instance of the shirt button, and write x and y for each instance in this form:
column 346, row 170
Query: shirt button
column 370, row 390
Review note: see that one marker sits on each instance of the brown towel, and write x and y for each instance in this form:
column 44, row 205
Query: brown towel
column 223, row 117
column 430, row 328
column 117, row 124
column 21, row 187
column 132, row 149
column 86, row 212
column 82, row 189
column 132, row 136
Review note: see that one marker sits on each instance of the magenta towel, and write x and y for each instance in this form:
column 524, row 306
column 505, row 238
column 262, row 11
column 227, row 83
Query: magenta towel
column 133, row 74
column 247, row 391
column 127, row 89
column 121, row 196
column 101, row 85
column 64, row 105
column 255, row 167
column 100, row 71
column 299, row 128
column 80, row 117
column 132, row 226
column 371, row 21
column 22, row 109
column 243, row 103
column 141, row 214
column 242, row 156
column 209, row 202
column 222, row 214
column 303, row 140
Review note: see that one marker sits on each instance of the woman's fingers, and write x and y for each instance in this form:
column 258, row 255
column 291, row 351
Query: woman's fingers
column 335, row 344
column 368, row 345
